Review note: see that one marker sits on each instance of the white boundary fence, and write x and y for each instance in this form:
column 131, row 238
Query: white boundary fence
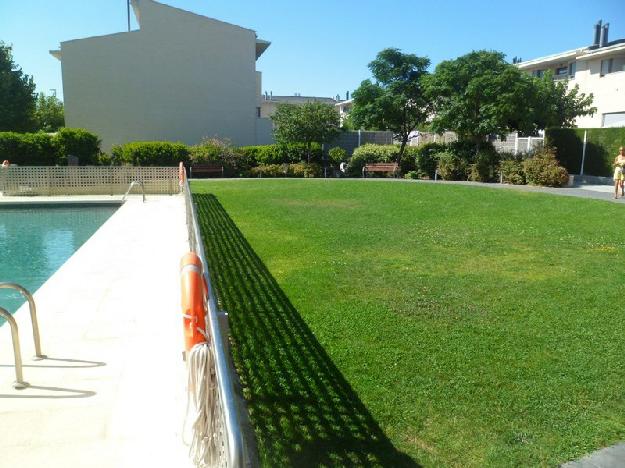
column 87, row 180
column 513, row 143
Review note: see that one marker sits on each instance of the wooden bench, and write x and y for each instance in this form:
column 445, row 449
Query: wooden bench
column 206, row 168
column 381, row 167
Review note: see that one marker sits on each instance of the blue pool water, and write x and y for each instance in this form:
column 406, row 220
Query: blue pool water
column 36, row 240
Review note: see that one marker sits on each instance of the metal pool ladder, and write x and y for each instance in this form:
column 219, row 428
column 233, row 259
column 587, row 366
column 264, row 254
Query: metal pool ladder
column 19, row 378
column 132, row 184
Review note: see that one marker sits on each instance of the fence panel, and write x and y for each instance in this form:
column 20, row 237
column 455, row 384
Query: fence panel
column 96, row 180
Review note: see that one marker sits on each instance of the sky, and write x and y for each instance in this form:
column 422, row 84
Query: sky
column 322, row 47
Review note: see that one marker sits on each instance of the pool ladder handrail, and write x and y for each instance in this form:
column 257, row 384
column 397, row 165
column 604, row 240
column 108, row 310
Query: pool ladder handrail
column 132, row 184
column 19, row 382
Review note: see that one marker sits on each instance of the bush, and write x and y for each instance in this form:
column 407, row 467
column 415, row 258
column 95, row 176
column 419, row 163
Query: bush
column 425, row 160
column 370, row 153
column 337, row 155
column 279, row 154
column 512, row 172
column 484, row 169
column 217, row 151
column 150, row 153
column 301, row 169
column 411, row 175
column 77, row 142
column 450, row 166
column 544, row 169
column 28, row 149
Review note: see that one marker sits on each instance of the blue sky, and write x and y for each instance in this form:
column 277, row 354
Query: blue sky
column 322, row 47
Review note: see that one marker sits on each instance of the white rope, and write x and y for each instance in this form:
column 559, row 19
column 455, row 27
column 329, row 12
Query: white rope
column 201, row 402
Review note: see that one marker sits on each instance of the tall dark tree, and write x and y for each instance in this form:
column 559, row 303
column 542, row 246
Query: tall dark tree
column 17, row 95
column 396, row 99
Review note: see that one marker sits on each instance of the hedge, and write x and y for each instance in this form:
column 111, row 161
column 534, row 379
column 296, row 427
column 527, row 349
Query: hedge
column 602, row 146
column 150, row 153
column 49, row 149
column 280, row 154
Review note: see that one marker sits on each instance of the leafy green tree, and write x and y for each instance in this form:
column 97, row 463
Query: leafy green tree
column 313, row 122
column 557, row 105
column 479, row 94
column 49, row 114
column 397, row 100
column 17, row 95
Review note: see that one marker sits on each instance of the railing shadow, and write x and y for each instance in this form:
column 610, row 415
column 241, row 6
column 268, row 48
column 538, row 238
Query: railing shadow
column 303, row 411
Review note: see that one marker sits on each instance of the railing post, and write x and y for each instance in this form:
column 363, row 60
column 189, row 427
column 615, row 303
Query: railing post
column 19, row 383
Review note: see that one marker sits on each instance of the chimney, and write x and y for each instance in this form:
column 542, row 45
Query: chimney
column 597, row 33
column 603, row 39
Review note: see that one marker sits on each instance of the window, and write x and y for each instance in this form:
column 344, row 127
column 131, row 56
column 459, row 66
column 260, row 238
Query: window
column 258, row 112
column 562, row 71
column 572, row 68
column 614, row 119
column 538, row 73
column 606, row 66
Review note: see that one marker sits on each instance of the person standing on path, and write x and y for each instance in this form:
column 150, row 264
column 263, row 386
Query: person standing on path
column 619, row 176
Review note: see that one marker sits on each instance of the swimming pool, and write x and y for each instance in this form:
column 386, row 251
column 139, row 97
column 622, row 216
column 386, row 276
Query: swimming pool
column 36, row 239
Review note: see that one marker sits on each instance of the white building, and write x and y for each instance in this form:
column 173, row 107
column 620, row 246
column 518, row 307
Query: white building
column 179, row 77
column 598, row 69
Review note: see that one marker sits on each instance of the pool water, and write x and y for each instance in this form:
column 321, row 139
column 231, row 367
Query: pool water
column 36, row 240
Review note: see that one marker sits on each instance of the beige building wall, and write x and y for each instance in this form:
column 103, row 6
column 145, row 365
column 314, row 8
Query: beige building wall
column 608, row 89
column 180, row 77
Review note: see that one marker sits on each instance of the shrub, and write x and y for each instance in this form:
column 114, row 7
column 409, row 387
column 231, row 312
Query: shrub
column 217, row 151
column 450, row 166
column 301, row 169
column 411, row 175
column 484, row 169
column 279, row 154
column 77, row 142
column 151, row 153
column 28, row 149
column 512, row 172
column 337, row 155
column 544, row 169
column 370, row 153
column 425, row 160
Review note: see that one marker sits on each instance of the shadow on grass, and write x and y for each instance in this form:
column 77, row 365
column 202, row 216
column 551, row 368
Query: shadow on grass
column 303, row 411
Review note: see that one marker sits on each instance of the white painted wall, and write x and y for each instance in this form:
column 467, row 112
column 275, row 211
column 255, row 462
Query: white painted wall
column 180, row 77
column 608, row 91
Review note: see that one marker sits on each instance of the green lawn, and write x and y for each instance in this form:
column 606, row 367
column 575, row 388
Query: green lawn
column 382, row 323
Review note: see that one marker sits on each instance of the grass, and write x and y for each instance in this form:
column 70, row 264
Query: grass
column 379, row 323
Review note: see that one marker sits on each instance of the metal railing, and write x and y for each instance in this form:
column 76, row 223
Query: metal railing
column 19, row 383
column 229, row 425
column 132, row 184
column 33, row 315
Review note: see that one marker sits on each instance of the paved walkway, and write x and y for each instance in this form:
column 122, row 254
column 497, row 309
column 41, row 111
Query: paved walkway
column 112, row 392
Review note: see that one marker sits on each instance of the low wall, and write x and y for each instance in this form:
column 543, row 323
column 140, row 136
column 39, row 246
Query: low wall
column 97, row 180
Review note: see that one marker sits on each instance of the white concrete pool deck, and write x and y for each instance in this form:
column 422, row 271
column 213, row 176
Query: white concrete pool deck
column 112, row 391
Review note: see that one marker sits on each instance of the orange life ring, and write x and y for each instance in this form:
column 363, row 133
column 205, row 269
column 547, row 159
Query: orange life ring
column 193, row 288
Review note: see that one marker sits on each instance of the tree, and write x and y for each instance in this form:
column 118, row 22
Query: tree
column 313, row 122
column 559, row 106
column 479, row 94
column 49, row 115
column 17, row 98
column 397, row 100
